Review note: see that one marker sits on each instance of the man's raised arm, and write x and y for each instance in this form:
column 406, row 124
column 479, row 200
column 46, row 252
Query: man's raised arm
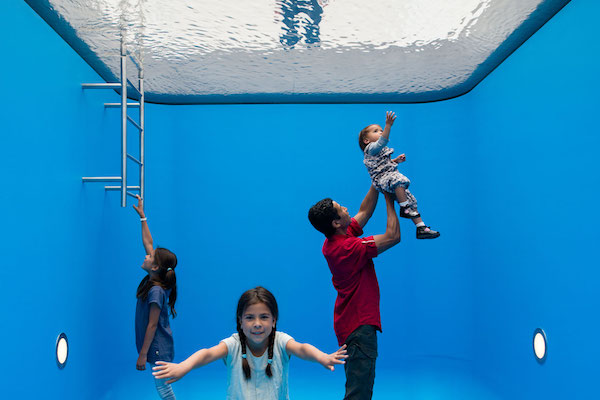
column 391, row 237
column 367, row 207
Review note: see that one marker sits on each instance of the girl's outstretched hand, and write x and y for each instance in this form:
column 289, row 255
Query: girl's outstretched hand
column 140, row 206
column 329, row 360
column 390, row 117
column 164, row 370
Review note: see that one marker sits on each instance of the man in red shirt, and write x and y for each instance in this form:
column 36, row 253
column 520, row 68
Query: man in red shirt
column 356, row 318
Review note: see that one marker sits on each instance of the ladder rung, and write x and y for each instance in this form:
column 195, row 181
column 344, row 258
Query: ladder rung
column 118, row 105
column 134, row 61
column 131, row 194
column 119, row 187
column 134, row 88
column 134, row 159
column 134, row 123
column 100, row 85
column 101, row 179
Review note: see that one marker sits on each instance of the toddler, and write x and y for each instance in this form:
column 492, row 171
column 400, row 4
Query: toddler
column 385, row 175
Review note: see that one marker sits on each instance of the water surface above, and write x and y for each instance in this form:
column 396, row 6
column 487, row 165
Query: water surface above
column 298, row 51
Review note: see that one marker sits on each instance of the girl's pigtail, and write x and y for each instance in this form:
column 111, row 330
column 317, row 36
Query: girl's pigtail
column 270, row 352
column 245, row 365
column 171, row 279
column 167, row 261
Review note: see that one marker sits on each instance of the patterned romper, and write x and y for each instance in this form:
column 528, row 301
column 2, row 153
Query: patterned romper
column 384, row 172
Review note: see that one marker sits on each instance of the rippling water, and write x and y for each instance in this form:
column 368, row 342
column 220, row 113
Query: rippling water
column 199, row 51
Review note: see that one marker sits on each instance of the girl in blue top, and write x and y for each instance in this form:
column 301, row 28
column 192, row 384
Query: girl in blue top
column 156, row 296
column 257, row 356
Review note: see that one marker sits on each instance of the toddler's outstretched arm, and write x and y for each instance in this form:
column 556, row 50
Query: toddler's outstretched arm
column 202, row 357
column 146, row 236
column 309, row 352
column 399, row 159
column 390, row 117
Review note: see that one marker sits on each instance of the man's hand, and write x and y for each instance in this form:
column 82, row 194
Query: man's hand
column 390, row 198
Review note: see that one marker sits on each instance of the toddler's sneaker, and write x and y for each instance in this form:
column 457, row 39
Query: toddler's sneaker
column 407, row 212
column 425, row 232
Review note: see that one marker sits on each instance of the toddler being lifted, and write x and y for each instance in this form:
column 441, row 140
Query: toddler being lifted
column 384, row 173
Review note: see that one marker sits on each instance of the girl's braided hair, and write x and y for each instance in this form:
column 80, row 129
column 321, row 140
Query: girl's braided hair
column 250, row 297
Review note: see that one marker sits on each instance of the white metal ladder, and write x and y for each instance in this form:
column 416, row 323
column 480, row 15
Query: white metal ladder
column 123, row 85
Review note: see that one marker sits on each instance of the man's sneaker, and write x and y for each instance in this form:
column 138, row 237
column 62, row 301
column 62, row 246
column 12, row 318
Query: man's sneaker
column 407, row 212
column 425, row 232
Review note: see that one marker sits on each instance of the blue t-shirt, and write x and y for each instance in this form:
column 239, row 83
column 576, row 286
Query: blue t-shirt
column 161, row 348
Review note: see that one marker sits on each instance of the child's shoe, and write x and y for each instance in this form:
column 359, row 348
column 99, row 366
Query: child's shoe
column 407, row 212
column 425, row 232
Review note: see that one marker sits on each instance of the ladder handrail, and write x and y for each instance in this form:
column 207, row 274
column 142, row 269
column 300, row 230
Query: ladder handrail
column 123, row 125
column 123, row 105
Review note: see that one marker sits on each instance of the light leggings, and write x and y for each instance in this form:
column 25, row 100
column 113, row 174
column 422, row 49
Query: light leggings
column 164, row 389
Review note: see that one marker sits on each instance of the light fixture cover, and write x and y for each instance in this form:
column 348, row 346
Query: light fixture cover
column 540, row 345
column 62, row 350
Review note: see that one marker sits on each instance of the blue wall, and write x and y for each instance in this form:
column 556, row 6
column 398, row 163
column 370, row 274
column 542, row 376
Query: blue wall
column 537, row 189
column 505, row 172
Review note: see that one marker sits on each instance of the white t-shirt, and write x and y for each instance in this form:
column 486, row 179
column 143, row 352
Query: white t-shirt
column 259, row 386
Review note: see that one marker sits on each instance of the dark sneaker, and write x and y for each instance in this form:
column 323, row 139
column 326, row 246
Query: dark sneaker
column 425, row 232
column 407, row 212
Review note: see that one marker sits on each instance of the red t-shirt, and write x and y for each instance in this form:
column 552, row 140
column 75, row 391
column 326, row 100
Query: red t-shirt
column 353, row 276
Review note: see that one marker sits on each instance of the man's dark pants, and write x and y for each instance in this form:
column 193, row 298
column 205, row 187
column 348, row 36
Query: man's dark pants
column 360, row 364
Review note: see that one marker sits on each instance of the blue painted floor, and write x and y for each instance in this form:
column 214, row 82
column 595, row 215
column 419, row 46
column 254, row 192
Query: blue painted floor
column 317, row 383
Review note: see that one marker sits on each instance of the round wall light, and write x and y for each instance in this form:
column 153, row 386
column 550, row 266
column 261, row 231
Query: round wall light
column 62, row 350
column 540, row 345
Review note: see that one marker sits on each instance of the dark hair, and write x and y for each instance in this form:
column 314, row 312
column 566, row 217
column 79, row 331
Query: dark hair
column 165, row 278
column 250, row 297
column 361, row 137
column 321, row 215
